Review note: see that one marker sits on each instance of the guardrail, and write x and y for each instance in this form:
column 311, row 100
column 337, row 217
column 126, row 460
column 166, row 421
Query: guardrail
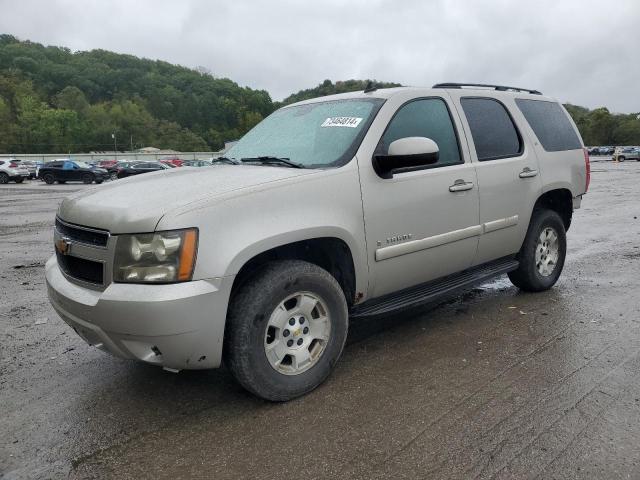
column 121, row 156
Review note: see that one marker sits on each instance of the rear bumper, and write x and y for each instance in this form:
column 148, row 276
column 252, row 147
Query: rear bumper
column 178, row 326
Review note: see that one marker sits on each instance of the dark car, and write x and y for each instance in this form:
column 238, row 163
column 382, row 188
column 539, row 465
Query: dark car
column 63, row 171
column 196, row 163
column 594, row 150
column 606, row 150
column 141, row 167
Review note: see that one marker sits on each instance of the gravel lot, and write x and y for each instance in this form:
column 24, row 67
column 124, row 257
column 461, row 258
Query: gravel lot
column 492, row 384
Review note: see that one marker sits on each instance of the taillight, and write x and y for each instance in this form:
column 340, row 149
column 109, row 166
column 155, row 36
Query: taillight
column 587, row 166
column 13, row 165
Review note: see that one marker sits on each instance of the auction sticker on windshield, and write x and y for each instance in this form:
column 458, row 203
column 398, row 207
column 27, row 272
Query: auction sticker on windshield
column 351, row 122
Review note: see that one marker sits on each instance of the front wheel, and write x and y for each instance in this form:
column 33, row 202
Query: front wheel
column 542, row 254
column 87, row 178
column 286, row 329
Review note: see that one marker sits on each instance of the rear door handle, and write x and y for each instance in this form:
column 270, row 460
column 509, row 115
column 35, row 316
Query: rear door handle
column 460, row 186
column 528, row 173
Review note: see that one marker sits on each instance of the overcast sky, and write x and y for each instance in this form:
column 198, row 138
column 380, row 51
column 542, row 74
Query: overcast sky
column 579, row 51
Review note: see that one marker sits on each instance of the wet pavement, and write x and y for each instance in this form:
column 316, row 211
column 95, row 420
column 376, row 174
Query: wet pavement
column 492, row 384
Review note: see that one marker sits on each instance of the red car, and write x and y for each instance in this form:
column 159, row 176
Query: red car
column 174, row 161
column 107, row 163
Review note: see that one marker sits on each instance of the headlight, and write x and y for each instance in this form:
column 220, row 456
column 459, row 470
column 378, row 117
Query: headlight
column 161, row 257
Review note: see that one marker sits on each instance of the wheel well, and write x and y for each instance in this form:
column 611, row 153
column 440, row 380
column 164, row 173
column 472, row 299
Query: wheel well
column 560, row 201
column 331, row 254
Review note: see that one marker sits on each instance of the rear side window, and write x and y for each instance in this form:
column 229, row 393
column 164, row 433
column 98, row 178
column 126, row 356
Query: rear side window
column 427, row 117
column 494, row 134
column 550, row 124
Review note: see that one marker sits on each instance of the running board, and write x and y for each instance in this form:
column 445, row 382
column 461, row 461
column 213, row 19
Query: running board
column 435, row 290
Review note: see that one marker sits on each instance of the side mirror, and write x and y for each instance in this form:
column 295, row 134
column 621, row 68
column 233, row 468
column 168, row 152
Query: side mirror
column 410, row 153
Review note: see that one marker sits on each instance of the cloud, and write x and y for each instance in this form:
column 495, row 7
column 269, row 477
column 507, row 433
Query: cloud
column 577, row 51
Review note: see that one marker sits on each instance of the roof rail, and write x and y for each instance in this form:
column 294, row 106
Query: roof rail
column 500, row 88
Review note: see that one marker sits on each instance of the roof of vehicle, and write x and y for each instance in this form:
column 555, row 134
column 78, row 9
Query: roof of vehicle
column 386, row 93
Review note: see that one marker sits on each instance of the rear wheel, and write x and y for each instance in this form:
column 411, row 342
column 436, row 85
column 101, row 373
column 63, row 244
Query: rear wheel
column 87, row 178
column 48, row 178
column 542, row 254
column 4, row 178
column 621, row 159
column 286, row 330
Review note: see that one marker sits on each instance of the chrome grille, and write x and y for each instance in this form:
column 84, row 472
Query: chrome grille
column 81, row 268
column 84, row 254
column 76, row 233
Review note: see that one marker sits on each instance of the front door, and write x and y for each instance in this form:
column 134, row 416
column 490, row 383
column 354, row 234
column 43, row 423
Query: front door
column 422, row 224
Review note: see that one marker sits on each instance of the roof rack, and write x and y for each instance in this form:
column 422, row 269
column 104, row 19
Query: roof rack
column 500, row 88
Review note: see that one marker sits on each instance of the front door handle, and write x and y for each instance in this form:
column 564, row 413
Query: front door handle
column 528, row 173
column 460, row 186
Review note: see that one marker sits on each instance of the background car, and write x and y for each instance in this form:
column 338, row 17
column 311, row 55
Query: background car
column 29, row 165
column 10, row 169
column 63, row 171
column 627, row 153
column 141, row 167
column 196, row 163
column 606, row 150
column 594, row 150
column 175, row 161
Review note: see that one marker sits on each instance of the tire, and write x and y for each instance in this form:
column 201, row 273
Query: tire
column 534, row 274
column 114, row 176
column 48, row 178
column 87, row 178
column 621, row 159
column 4, row 178
column 19, row 180
column 250, row 333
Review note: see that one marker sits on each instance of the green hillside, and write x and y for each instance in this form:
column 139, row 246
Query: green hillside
column 53, row 100
column 329, row 88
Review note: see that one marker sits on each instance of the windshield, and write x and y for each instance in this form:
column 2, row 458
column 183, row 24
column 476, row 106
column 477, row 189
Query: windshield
column 313, row 135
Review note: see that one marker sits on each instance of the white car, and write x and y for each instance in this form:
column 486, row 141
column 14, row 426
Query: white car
column 10, row 170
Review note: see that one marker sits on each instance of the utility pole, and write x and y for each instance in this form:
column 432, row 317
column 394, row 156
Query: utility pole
column 115, row 146
column 132, row 143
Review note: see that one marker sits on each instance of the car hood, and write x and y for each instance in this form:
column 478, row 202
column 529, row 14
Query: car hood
column 136, row 204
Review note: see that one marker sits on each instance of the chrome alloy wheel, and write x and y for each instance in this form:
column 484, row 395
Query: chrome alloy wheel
column 547, row 252
column 297, row 333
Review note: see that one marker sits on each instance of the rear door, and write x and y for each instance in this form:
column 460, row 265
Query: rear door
column 507, row 168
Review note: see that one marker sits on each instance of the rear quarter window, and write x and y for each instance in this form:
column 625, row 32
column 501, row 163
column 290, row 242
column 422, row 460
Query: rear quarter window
column 549, row 122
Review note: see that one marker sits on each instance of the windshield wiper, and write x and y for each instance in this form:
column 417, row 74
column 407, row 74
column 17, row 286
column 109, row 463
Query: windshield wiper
column 267, row 159
column 228, row 160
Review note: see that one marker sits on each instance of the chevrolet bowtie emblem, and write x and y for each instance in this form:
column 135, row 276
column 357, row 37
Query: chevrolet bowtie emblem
column 63, row 246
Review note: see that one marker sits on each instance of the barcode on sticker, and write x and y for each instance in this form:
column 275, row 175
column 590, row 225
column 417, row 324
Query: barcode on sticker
column 351, row 122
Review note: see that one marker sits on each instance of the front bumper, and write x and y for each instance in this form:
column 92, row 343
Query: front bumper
column 177, row 326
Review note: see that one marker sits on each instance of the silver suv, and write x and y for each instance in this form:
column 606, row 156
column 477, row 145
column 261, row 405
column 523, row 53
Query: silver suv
column 331, row 209
column 12, row 170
